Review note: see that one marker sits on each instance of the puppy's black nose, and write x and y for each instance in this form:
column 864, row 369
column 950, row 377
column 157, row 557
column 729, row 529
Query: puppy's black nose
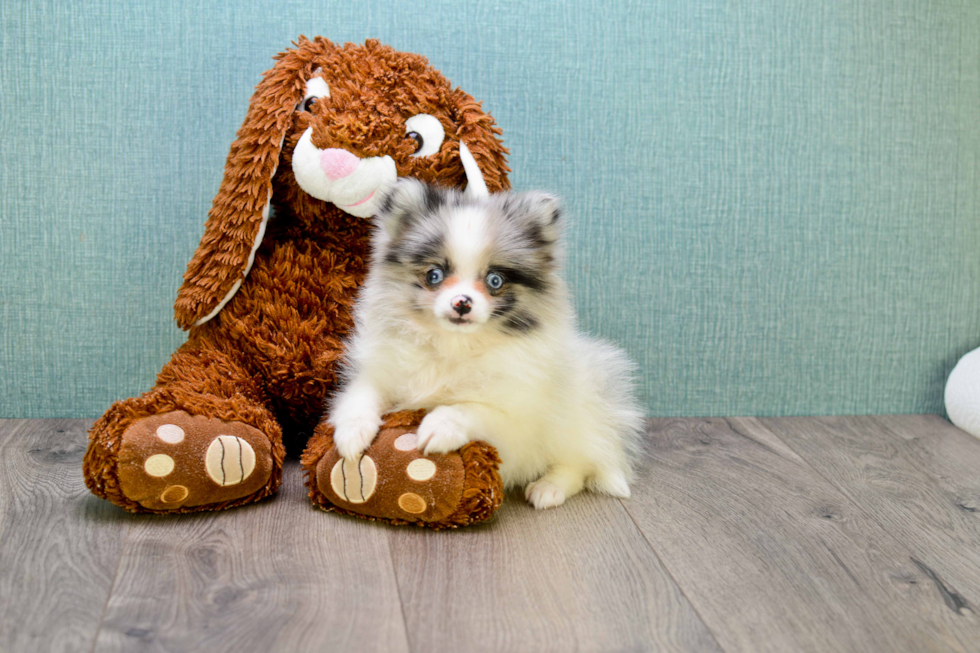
column 462, row 304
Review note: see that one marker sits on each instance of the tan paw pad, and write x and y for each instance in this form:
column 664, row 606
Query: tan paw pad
column 174, row 494
column 229, row 460
column 421, row 469
column 170, row 433
column 354, row 480
column 411, row 502
column 407, row 442
column 159, row 465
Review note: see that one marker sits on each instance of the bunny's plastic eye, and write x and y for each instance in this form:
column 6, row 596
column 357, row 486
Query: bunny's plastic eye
column 316, row 89
column 495, row 281
column 434, row 276
column 427, row 132
column 419, row 141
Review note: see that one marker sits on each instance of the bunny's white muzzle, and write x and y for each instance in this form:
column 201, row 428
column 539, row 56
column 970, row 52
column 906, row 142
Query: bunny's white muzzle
column 354, row 185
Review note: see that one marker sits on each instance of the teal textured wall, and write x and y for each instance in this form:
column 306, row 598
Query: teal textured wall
column 775, row 201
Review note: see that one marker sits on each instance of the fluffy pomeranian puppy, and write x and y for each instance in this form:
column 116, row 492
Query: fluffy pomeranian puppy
column 464, row 314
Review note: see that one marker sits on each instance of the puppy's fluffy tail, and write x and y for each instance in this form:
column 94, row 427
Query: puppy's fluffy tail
column 611, row 375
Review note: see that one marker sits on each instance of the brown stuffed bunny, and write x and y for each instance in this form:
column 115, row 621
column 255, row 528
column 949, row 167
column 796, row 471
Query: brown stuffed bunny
column 268, row 298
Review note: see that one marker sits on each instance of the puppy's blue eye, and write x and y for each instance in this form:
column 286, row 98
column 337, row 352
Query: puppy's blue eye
column 434, row 277
column 495, row 281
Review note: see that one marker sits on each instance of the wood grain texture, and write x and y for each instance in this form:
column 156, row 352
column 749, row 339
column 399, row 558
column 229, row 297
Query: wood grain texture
column 916, row 475
column 579, row 578
column 59, row 545
column 274, row 576
column 773, row 557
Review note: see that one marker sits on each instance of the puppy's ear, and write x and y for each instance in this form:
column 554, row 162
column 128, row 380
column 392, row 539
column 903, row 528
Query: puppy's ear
column 407, row 201
column 240, row 212
column 541, row 210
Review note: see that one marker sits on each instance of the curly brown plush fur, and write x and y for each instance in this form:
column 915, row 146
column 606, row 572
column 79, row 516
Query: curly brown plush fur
column 267, row 358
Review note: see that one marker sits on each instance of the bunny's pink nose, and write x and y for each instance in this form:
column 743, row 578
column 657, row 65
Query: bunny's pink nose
column 337, row 163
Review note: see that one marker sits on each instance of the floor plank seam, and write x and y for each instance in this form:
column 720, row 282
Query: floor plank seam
column 112, row 587
column 398, row 589
column 671, row 576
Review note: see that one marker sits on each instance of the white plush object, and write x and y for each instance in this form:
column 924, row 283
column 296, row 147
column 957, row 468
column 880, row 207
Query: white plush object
column 963, row 393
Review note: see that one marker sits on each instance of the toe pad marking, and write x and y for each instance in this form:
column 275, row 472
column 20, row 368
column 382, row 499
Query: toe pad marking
column 407, row 442
column 170, row 433
column 159, row 464
column 354, row 480
column 174, row 494
column 421, row 469
column 229, row 460
column 411, row 502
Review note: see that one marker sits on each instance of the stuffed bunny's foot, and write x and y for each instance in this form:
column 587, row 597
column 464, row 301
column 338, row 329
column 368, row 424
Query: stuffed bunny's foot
column 175, row 461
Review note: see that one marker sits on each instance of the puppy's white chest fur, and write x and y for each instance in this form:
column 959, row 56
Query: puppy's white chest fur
column 435, row 374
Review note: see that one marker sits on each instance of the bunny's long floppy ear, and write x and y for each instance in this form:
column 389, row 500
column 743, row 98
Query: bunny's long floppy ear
column 240, row 211
column 480, row 150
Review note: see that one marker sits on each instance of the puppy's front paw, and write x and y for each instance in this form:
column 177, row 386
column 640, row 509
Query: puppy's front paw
column 544, row 494
column 354, row 435
column 443, row 430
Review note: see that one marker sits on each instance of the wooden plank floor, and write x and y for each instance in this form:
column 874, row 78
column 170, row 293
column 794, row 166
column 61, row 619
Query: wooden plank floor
column 789, row 534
